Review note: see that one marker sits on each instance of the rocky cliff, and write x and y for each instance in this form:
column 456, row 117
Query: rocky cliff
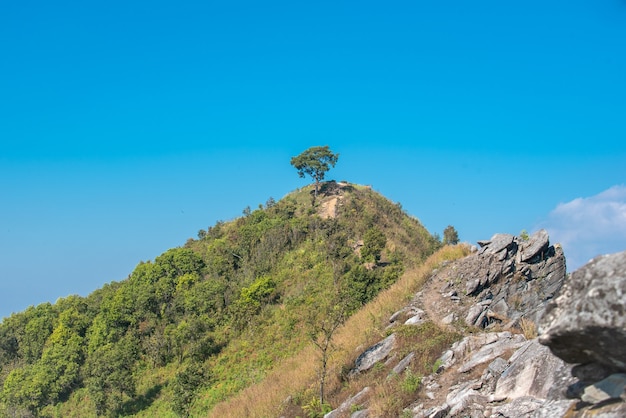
column 497, row 297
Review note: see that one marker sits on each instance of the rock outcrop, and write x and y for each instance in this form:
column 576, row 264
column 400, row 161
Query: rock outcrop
column 587, row 322
column 575, row 368
column 510, row 277
column 586, row 325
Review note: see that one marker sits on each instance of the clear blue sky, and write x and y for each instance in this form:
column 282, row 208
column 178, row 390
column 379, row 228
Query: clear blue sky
column 125, row 127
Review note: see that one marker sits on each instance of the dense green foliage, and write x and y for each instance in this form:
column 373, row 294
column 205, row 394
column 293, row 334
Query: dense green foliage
column 203, row 321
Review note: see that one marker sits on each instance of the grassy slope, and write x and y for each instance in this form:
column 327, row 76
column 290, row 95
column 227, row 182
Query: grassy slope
column 296, row 376
column 302, row 255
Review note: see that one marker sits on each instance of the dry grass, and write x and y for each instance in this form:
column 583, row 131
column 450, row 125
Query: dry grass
column 529, row 328
column 297, row 375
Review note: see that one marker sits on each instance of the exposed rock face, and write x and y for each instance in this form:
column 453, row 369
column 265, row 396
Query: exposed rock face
column 532, row 371
column 531, row 381
column 508, row 278
column 504, row 374
column 587, row 322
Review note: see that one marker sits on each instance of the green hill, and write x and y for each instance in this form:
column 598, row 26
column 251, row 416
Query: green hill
column 204, row 321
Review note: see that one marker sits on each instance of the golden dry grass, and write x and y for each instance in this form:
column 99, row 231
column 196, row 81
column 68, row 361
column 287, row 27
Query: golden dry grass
column 298, row 374
column 529, row 328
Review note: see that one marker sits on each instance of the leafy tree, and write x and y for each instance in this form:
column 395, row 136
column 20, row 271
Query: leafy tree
column 252, row 299
column 321, row 333
column 54, row 375
column 9, row 346
column 20, row 393
column 39, row 327
column 450, row 236
column 270, row 203
column 374, row 242
column 185, row 386
column 109, row 375
column 325, row 316
column 315, row 162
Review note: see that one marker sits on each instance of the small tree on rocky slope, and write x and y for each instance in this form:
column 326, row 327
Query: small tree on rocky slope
column 323, row 320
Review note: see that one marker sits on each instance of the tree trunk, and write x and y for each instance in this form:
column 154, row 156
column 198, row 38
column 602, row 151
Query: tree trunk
column 323, row 374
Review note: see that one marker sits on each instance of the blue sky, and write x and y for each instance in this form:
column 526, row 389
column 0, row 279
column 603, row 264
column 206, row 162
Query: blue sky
column 125, row 128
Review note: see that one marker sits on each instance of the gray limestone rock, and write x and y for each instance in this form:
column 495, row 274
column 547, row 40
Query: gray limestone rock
column 404, row 363
column 462, row 397
column 519, row 407
column 346, row 405
column 488, row 352
column 364, row 413
column 586, row 323
column 520, row 276
column 536, row 245
column 473, row 313
column 496, row 244
column 417, row 317
column 448, row 319
column 498, row 366
column 533, row 371
column 374, row 354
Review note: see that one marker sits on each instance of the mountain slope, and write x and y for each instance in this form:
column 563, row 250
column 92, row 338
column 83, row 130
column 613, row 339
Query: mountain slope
column 204, row 321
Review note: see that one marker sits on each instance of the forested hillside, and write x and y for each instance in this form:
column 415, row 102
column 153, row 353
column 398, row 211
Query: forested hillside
column 203, row 321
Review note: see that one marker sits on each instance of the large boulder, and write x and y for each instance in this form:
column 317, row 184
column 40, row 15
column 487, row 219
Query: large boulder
column 533, row 371
column 586, row 323
column 373, row 355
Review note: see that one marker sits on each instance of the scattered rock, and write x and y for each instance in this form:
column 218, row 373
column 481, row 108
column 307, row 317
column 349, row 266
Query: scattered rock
column 518, row 407
column 374, row 354
column 461, row 398
column 447, row 320
column 404, row 363
column 417, row 318
column 349, row 403
column 393, row 318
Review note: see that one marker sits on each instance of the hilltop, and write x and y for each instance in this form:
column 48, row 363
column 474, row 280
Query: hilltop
column 201, row 322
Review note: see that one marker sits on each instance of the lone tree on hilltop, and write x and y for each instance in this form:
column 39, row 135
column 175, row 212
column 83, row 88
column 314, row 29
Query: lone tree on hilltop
column 315, row 162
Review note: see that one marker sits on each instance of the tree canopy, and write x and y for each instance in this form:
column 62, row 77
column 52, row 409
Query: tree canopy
column 315, row 162
column 450, row 236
